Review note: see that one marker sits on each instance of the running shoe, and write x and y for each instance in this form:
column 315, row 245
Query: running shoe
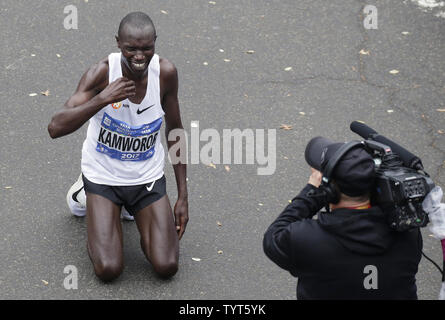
column 76, row 198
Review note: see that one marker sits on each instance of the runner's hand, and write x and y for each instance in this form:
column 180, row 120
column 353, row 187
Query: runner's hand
column 118, row 90
column 181, row 216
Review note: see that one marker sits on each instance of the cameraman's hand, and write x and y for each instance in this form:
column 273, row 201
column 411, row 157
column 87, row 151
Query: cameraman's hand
column 315, row 178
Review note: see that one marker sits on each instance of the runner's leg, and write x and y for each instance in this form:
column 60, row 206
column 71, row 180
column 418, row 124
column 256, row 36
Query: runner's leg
column 159, row 239
column 105, row 243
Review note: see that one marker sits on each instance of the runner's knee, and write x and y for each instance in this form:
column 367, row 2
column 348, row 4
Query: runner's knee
column 108, row 270
column 166, row 269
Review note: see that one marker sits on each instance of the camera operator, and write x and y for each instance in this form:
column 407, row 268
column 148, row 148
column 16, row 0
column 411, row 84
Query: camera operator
column 349, row 252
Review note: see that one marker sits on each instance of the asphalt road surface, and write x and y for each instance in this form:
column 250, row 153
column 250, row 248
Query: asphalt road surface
column 250, row 64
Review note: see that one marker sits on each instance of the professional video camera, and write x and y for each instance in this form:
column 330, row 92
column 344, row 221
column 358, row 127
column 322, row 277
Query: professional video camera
column 401, row 182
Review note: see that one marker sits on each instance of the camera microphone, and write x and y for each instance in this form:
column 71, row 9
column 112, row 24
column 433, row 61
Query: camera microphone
column 409, row 159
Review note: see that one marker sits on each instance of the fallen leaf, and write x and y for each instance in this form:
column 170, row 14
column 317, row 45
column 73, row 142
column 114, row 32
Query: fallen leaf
column 286, row 127
column 211, row 165
column 45, row 282
column 227, row 60
column 302, row 113
column 250, row 52
column 286, row 158
column 440, row 131
column 220, row 252
column 45, row 93
column 196, row 259
column 394, row 71
column 364, row 52
column 288, row 69
column 32, row 94
column 164, row 12
column 227, row 168
column 441, row 110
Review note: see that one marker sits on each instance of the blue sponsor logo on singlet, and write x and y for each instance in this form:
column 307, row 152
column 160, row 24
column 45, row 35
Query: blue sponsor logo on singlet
column 121, row 141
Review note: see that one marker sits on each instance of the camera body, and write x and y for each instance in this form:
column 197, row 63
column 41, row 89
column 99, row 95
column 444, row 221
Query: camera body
column 399, row 190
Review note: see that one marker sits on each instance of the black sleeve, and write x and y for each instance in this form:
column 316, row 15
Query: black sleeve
column 277, row 239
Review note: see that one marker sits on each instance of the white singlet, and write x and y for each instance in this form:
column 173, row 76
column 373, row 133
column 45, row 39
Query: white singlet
column 123, row 144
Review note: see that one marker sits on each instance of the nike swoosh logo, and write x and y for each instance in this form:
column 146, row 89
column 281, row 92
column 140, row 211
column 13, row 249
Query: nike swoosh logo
column 76, row 193
column 140, row 111
column 151, row 187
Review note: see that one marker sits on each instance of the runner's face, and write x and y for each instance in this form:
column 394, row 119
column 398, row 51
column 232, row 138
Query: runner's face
column 137, row 47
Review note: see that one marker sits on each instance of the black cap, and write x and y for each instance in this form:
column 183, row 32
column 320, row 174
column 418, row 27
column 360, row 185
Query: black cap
column 354, row 173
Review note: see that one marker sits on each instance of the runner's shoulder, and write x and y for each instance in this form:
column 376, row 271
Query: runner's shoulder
column 168, row 70
column 96, row 77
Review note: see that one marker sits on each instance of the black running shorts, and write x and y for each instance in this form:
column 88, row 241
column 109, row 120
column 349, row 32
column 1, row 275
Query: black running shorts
column 133, row 198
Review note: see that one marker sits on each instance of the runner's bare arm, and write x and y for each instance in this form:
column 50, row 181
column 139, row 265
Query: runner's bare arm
column 170, row 104
column 92, row 94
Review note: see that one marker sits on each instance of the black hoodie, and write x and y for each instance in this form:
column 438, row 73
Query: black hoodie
column 345, row 254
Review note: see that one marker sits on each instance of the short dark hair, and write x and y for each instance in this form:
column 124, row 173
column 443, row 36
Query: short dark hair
column 138, row 20
column 358, row 198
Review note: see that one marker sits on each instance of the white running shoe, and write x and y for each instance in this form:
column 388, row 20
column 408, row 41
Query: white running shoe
column 76, row 198
column 77, row 201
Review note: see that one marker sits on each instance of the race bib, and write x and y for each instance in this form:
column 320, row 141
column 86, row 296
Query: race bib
column 121, row 141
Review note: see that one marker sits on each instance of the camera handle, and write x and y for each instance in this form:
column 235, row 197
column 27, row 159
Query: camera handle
column 377, row 147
